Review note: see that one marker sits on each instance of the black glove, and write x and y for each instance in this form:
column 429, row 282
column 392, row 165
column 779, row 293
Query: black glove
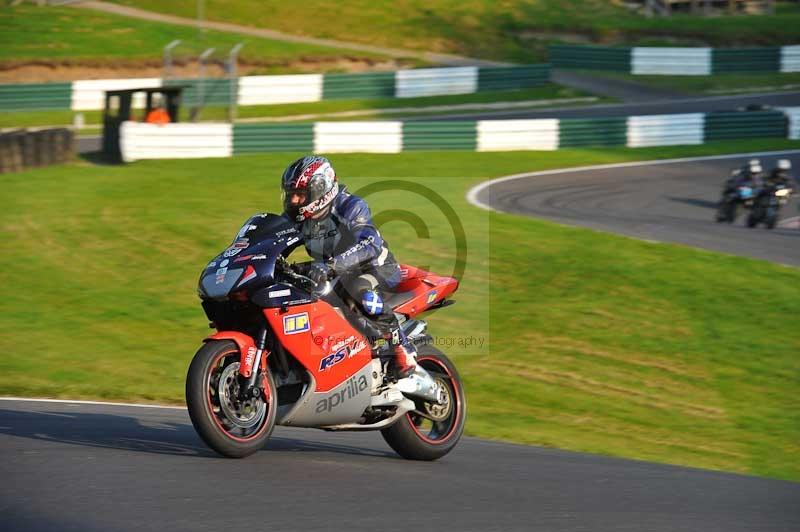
column 319, row 272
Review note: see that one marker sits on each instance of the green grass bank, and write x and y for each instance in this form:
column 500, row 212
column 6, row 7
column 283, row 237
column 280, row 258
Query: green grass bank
column 597, row 342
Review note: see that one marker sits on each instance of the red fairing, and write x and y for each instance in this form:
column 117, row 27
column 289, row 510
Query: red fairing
column 322, row 341
column 247, row 350
column 427, row 289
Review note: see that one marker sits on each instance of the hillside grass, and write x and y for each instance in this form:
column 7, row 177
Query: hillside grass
column 62, row 34
column 509, row 30
column 596, row 342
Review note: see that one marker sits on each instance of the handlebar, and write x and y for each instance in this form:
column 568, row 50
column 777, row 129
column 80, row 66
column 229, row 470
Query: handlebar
column 319, row 289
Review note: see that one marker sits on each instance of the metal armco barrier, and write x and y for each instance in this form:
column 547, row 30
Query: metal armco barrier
column 25, row 96
column 578, row 132
column 793, row 113
column 676, row 61
column 256, row 138
column 440, row 136
column 149, row 141
column 22, row 149
column 87, row 95
column 739, row 125
column 591, row 58
column 746, row 60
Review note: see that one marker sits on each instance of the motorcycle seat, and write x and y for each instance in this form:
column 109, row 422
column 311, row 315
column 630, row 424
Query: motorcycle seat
column 395, row 299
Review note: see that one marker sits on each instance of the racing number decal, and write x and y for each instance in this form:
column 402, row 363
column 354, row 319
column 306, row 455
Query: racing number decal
column 296, row 323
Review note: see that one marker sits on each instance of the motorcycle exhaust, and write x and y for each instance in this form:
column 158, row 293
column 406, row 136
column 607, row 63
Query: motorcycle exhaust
column 420, row 384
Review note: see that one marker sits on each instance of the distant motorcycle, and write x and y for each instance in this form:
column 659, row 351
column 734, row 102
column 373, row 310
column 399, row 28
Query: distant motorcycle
column 767, row 205
column 731, row 199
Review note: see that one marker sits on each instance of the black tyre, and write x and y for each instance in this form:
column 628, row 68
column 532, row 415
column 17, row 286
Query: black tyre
column 752, row 220
column 230, row 426
column 772, row 220
column 730, row 212
column 433, row 430
column 721, row 215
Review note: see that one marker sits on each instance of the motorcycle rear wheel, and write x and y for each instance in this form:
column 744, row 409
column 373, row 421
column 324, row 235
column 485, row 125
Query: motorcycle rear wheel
column 432, row 430
column 771, row 218
column 232, row 427
column 772, row 222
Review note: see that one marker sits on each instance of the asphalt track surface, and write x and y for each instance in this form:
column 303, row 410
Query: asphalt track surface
column 673, row 202
column 650, row 107
column 91, row 467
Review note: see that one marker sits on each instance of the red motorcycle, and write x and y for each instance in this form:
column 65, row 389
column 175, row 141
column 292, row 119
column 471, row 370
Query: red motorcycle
column 291, row 352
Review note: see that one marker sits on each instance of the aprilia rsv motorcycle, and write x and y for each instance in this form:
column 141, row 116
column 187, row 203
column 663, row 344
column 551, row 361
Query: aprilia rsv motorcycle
column 731, row 198
column 287, row 352
column 768, row 204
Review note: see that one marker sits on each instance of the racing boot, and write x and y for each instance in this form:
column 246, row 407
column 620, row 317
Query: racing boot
column 405, row 356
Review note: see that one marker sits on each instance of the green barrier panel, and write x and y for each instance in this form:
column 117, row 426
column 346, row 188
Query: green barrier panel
column 255, row 138
column 591, row 57
column 745, row 124
column 575, row 132
column 746, row 60
column 29, row 96
column 370, row 85
column 440, row 135
column 216, row 91
column 510, row 78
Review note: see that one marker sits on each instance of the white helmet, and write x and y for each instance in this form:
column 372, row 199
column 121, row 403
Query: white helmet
column 784, row 164
column 755, row 166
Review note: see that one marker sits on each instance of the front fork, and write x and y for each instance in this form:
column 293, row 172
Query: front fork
column 256, row 357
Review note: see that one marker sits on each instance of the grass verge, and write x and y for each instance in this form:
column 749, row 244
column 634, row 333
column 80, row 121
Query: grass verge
column 599, row 343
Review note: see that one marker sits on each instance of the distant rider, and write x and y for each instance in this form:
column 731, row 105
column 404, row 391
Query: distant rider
column 748, row 175
column 340, row 236
column 780, row 175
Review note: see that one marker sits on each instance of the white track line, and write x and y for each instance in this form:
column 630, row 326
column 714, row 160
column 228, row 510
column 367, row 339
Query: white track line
column 472, row 194
column 103, row 403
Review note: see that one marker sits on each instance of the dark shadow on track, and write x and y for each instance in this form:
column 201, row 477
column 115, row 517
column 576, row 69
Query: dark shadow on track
column 104, row 431
column 696, row 202
column 127, row 433
column 296, row 445
column 30, row 521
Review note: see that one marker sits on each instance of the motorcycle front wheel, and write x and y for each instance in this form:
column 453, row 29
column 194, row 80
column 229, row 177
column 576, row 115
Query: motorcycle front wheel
column 232, row 426
column 771, row 218
column 431, row 430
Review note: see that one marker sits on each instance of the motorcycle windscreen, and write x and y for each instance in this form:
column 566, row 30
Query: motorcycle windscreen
column 261, row 232
column 262, row 227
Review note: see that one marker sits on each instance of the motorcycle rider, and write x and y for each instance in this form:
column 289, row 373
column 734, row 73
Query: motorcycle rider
column 340, row 236
column 748, row 175
column 780, row 175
